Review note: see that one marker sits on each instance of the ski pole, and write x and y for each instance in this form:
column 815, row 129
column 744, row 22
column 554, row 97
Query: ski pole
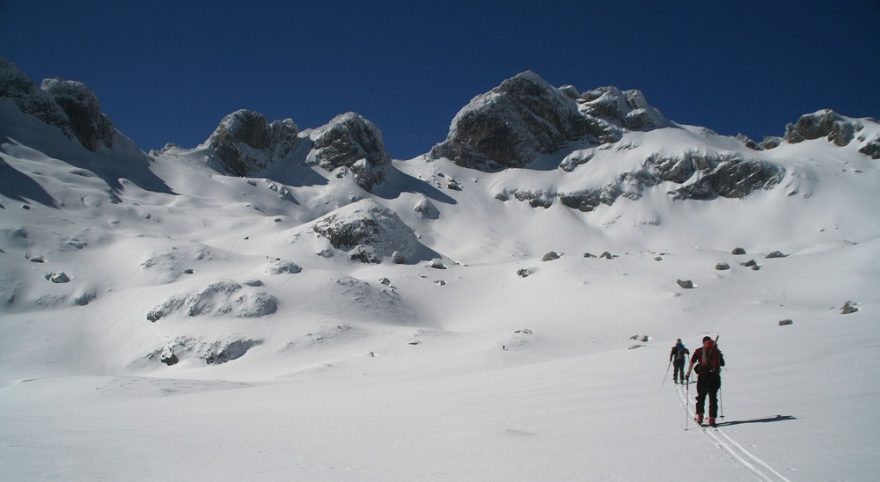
column 667, row 373
column 687, row 397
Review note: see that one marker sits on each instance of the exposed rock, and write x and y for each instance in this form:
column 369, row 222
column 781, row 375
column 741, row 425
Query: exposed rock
column 15, row 85
column 738, row 251
column 785, row 322
column 771, row 142
column 220, row 298
column 454, row 185
column 212, row 352
column 280, row 266
column 749, row 142
column 849, row 307
column 577, row 158
column 426, row 209
column 569, row 91
column 685, row 283
column 823, row 123
column 550, row 256
column 440, row 282
column 524, row 331
column 607, row 255
column 373, row 230
column 722, row 266
column 58, row 277
column 385, row 281
column 872, row 148
column 90, row 126
column 84, row 296
column 437, row 263
column 352, row 141
column 750, row 263
column 589, row 255
column 627, row 108
column 523, row 272
column 245, row 143
column 512, row 124
column 37, row 259
column 775, row 254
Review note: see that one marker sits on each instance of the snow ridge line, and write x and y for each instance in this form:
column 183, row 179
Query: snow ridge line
column 733, row 451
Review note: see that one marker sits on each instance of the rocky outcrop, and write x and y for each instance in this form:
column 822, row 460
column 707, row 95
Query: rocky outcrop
column 87, row 122
column 525, row 117
column 351, row 141
column 245, row 143
column 872, row 148
column 702, row 176
column 219, row 298
column 627, row 108
column 15, row 85
column 512, row 124
column 211, row 352
column 66, row 104
column 370, row 232
column 824, row 123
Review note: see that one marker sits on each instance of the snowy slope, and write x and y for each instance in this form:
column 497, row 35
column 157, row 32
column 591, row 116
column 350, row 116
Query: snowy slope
column 163, row 318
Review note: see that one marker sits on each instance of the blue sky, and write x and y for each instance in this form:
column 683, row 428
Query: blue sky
column 167, row 71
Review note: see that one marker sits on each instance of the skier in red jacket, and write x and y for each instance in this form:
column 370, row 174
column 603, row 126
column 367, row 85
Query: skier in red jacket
column 708, row 360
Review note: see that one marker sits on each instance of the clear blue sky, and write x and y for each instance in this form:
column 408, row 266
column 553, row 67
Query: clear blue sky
column 169, row 70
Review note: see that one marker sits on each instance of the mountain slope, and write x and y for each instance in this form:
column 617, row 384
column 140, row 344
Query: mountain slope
column 288, row 304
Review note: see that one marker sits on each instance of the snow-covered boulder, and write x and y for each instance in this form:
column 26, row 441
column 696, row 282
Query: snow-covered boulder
column 426, row 209
column 350, row 140
column 245, row 143
column 220, row 298
column 512, row 124
column 822, row 123
column 88, row 123
column 281, row 266
column 211, row 352
column 370, row 232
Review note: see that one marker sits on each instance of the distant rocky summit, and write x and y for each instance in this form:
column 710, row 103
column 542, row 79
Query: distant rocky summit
column 524, row 117
column 245, row 143
column 66, row 104
column 350, row 140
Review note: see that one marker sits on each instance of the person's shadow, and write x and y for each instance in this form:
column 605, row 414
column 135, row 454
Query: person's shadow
column 777, row 418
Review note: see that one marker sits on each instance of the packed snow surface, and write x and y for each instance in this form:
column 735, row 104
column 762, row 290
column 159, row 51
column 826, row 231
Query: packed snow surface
column 162, row 320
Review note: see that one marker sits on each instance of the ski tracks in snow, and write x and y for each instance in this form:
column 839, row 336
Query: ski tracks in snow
column 739, row 453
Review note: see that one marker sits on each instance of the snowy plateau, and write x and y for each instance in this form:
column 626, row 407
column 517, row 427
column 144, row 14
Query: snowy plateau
column 281, row 303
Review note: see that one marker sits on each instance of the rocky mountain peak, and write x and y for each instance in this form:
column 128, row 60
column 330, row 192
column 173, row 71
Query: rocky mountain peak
column 88, row 123
column 245, row 142
column 822, row 123
column 350, row 140
column 525, row 116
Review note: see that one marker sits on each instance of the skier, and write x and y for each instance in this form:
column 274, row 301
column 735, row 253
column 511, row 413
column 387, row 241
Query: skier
column 708, row 360
column 677, row 356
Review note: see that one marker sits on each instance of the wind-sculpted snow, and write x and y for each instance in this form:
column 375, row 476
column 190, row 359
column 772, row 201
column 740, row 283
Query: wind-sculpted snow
column 216, row 299
column 370, row 233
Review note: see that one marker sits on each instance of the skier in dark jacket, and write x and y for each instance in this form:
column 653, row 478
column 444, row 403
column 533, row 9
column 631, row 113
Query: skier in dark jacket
column 677, row 356
column 708, row 361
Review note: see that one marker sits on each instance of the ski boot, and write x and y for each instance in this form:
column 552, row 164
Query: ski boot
column 699, row 419
column 712, row 422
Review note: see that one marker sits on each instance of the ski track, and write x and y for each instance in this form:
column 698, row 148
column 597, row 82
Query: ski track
column 734, row 448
